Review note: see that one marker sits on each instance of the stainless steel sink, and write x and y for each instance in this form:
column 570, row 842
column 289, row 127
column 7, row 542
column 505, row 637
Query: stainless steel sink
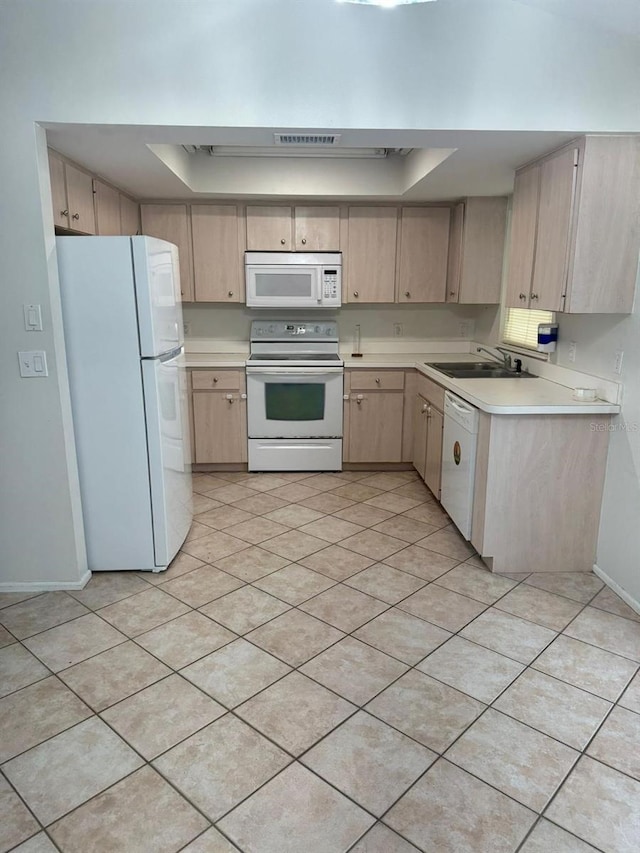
column 477, row 370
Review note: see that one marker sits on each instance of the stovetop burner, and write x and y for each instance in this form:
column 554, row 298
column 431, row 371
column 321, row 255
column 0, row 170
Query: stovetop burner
column 295, row 356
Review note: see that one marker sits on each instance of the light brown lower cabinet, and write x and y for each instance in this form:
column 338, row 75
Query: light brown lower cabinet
column 427, row 442
column 219, row 416
column 373, row 415
column 375, row 426
column 538, row 491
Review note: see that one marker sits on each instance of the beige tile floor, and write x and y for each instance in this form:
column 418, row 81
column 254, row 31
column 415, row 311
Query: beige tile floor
column 325, row 667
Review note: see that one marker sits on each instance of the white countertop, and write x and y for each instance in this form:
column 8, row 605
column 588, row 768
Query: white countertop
column 216, row 359
column 495, row 396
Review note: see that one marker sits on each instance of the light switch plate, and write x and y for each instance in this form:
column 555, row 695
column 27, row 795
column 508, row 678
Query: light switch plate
column 33, row 363
column 32, row 318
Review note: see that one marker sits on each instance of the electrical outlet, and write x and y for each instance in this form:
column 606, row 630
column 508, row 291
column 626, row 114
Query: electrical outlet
column 186, row 326
column 572, row 350
column 617, row 367
column 398, row 331
column 463, row 330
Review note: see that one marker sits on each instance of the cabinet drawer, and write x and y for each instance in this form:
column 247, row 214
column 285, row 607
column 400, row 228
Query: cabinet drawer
column 220, row 380
column 431, row 391
column 372, row 380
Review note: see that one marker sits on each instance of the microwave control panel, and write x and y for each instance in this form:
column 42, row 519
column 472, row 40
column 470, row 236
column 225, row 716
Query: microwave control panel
column 330, row 283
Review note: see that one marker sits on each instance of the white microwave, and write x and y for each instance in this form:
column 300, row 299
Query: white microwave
column 293, row 280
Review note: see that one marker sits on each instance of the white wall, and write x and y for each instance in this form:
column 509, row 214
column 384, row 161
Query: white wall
column 597, row 339
column 459, row 65
column 419, row 322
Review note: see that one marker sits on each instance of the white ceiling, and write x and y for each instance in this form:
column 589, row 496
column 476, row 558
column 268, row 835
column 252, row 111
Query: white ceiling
column 619, row 16
column 482, row 163
column 149, row 162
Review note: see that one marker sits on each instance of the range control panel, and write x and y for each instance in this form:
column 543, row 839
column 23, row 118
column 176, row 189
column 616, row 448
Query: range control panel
column 265, row 330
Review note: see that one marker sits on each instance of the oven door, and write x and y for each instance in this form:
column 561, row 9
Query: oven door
column 284, row 286
column 285, row 402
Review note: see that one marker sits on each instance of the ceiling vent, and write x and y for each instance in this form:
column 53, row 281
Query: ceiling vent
column 307, row 138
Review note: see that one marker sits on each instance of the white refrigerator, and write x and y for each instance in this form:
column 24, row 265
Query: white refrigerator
column 123, row 332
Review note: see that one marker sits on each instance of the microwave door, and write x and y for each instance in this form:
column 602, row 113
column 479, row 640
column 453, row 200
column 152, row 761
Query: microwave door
column 283, row 287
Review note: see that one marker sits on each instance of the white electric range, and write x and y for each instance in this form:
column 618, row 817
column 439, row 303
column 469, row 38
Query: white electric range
column 295, row 380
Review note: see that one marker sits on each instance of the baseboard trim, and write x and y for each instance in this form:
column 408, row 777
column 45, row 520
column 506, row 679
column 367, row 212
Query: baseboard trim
column 624, row 595
column 45, row 586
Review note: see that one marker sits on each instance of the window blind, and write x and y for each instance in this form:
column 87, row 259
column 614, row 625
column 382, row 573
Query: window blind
column 521, row 326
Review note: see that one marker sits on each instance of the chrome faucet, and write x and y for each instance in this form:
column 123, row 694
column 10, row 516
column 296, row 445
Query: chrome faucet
column 505, row 358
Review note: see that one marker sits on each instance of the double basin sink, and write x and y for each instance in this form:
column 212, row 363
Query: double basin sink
column 477, row 370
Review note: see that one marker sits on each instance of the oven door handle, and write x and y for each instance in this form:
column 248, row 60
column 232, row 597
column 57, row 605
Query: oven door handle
column 294, row 371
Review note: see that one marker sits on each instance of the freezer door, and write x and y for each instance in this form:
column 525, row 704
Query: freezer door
column 167, row 417
column 157, row 282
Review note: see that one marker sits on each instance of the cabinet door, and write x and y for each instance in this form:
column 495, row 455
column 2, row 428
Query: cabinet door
column 129, row 216
column 269, row 229
column 424, row 248
column 555, row 210
column 58, row 192
column 454, row 267
column 217, row 253
column 483, row 250
column 524, row 217
column 433, row 460
column 317, row 229
column 371, row 254
column 107, row 201
column 80, row 197
column 171, row 222
column 219, row 427
column 420, row 422
column 375, row 427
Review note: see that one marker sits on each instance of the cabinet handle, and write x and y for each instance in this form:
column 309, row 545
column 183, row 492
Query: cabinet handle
column 377, row 381
column 356, row 293
column 407, row 293
column 230, row 294
column 452, row 293
column 64, row 213
column 76, row 216
column 523, row 296
column 283, row 241
column 424, row 409
column 359, row 402
column 428, row 412
column 534, row 295
column 215, row 379
column 304, row 241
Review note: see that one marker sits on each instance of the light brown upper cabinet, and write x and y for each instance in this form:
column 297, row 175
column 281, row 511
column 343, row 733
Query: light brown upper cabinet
column 129, row 216
column 299, row 229
column 317, row 229
column 58, row 191
column 522, row 245
column 269, row 229
column 107, row 204
column 424, row 248
column 82, row 216
column 371, row 255
column 585, row 232
column 476, row 250
column 171, row 222
column 72, row 196
column 217, row 253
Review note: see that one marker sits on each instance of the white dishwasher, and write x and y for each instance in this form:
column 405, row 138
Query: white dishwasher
column 459, row 461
